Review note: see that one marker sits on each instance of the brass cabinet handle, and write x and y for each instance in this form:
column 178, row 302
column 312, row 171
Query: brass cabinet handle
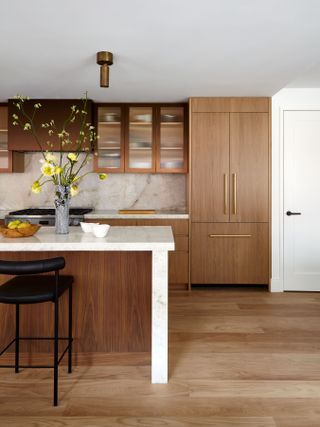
column 229, row 235
column 225, row 193
column 234, row 177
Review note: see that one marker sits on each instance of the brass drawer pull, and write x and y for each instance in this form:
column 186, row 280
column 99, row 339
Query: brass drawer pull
column 229, row 235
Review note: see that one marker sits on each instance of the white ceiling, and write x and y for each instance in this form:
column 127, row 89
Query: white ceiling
column 164, row 50
column 309, row 79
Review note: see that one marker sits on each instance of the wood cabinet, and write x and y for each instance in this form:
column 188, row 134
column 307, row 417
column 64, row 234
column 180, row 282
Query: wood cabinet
column 179, row 258
column 249, row 167
column 51, row 109
column 230, row 160
column 210, row 167
column 230, row 253
column 9, row 160
column 229, row 190
column 141, row 138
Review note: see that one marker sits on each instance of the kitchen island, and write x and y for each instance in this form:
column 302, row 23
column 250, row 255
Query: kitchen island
column 113, row 311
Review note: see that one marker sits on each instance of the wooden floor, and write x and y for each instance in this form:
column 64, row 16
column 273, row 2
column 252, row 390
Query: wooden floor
column 241, row 357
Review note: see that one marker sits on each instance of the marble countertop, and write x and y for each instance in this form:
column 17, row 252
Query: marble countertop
column 113, row 214
column 147, row 238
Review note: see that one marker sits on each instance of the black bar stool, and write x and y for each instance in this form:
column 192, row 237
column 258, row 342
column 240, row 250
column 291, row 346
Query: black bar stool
column 28, row 287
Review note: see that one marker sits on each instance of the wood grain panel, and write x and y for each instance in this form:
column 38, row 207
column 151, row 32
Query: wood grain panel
column 112, row 302
column 210, row 167
column 179, row 226
column 181, row 243
column 3, row 116
column 217, row 379
column 52, row 109
column 178, row 268
column 249, row 160
column 230, row 105
column 230, row 259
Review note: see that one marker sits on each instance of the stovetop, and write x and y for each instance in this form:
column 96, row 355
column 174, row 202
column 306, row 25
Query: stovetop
column 48, row 211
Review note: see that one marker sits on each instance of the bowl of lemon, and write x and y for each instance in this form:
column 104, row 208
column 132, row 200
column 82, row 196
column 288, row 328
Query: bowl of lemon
column 19, row 228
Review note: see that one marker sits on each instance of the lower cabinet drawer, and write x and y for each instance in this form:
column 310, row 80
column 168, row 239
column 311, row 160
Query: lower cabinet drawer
column 179, row 226
column 230, row 253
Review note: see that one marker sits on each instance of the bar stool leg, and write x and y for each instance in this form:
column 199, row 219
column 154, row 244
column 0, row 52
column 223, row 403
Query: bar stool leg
column 70, row 332
column 17, row 340
column 56, row 352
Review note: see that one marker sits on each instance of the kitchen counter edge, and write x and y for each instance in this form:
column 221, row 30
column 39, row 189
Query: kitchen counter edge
column 105, row 214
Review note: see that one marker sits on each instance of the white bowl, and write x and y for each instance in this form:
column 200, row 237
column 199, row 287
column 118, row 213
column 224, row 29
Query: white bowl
column 87, row 227
column 100, row 230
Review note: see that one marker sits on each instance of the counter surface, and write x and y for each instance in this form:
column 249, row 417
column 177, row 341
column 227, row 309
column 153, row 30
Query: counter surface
column 113, row 214
column 147, row 238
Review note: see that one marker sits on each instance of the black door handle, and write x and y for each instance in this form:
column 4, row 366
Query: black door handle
column 289, row 213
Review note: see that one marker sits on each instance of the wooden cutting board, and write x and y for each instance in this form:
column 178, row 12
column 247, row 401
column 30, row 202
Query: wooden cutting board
column 137, row 211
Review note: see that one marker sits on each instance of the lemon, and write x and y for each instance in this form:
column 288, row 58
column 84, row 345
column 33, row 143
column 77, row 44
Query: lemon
column 14, row 224
column 24, row 225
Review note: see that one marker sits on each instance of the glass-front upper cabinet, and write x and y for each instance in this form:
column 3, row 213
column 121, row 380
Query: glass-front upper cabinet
column 140, row 145
column 171, row 152
column 4, row 153
column 110, row 128
column 135, row 138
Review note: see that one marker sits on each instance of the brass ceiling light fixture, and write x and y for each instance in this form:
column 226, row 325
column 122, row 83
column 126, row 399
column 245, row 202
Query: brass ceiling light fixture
column 104, row 59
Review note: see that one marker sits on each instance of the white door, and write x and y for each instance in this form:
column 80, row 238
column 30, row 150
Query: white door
column 302, row 200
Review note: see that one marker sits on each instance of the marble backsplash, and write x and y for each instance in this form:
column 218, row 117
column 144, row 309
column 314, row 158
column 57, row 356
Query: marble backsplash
column 118, row 191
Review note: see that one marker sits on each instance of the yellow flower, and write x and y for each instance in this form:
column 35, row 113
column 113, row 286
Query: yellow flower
column 27, row 126
column 58, row 170
column 74, row 190
column 51, row 158
column 47, row 169
column 72, row 157
column 36, row 187
column 103, row 176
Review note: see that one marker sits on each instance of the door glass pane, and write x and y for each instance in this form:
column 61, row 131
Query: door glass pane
column 172, row 138
column 140, row 137
column 109, row 143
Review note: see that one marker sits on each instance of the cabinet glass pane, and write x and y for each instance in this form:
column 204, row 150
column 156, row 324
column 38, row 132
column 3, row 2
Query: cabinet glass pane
column 4, row 154
column 140, row 137
column 109, row 143
column 171, row 138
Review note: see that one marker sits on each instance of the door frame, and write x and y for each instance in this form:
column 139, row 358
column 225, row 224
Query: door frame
column 285, row 100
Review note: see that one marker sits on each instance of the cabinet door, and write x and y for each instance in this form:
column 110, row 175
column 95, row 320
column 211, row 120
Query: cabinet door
column 171, row 146
column 4, row 153
column 249, row 167
column 51, row 109
column 210, row 167
column 230, row 253
column 10, row 161
column 140, row 150
column 110, row 128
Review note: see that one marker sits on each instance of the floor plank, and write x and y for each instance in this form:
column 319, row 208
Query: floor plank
column 238, row 358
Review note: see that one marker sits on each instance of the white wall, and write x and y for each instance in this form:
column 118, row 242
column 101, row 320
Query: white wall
column 286, row 99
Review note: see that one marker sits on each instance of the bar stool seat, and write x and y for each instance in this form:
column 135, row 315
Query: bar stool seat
column 30, row 286
column 33, row 289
